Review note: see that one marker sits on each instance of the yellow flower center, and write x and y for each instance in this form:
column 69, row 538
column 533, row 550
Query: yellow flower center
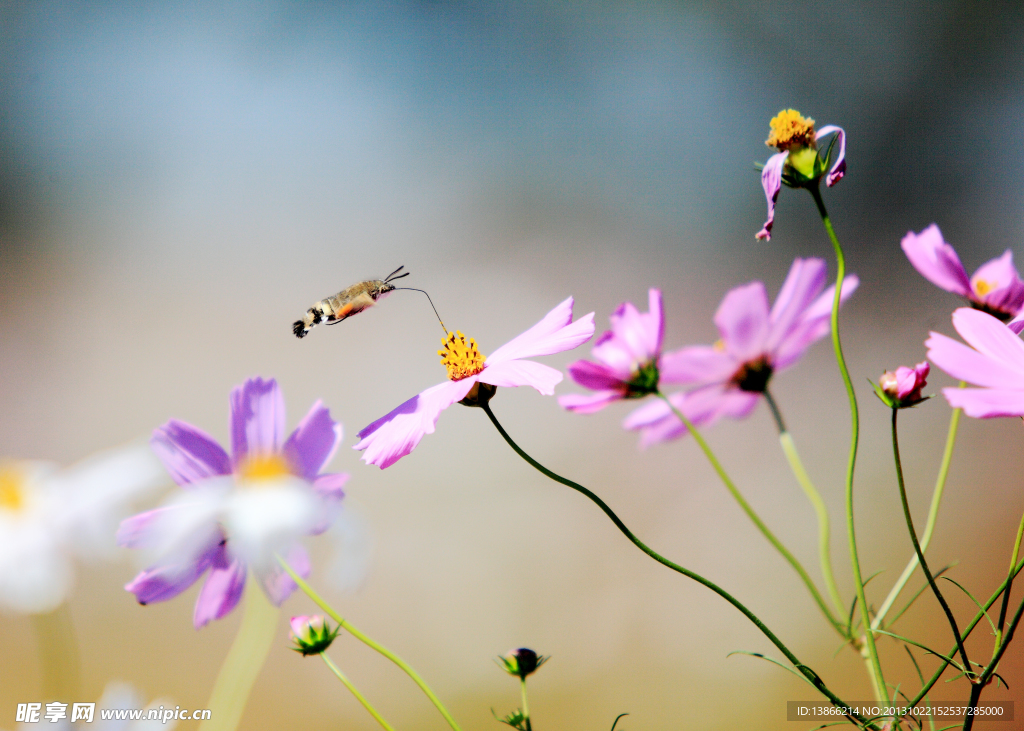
column 257, row 467
column 790, row 130
column 982, row 287
column 12, row 487
column 460, row 358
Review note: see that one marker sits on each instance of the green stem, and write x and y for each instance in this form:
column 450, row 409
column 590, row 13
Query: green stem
column 754, row 517
column 526, row 708
column 917, row 546
column 929, row 526
column 243, row 662
column 347, row 626
column 967, row 632
column 806, row 671
column 869, row 637
column 58, row 653
column 352, row 689
column 824, row 529
column 986, row 675
column 1009, row 587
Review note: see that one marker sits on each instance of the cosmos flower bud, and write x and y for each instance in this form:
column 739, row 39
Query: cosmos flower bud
column 902, row 388
column 311, row 634
column 522, row 662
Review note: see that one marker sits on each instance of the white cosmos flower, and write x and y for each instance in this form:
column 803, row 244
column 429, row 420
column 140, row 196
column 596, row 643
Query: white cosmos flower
column 49, row 518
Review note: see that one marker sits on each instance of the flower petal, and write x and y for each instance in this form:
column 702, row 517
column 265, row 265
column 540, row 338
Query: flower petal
column 257, row 418
column 588, row 403
column 936, row 260
column 703, row 407
column 986, row 403
column 697, row 364
column 162, row 582
column 522, row 373
column 967, row 364
column 742, row 321
column 813, row 325
column 771, row 181
column 595, row 376
column 221, row 591
column 329, row 489
column 839, row 166
column 314, row 441
column 189, row 453
column 394, row 435
column 276, row 582
column 804, row 282
column 553, row 334
column 990, row 337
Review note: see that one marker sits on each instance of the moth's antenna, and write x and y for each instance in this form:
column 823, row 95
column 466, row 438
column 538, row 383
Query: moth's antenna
column 413, row 289
column 388, row 277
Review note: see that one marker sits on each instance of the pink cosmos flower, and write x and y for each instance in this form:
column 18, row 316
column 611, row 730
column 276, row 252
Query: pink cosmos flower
column 995, row 362
column 902, row 388
column 756, row 343
column 627, row 358
column 237, row 511
column 393, row 436
column 995, row 288
column 797, row 163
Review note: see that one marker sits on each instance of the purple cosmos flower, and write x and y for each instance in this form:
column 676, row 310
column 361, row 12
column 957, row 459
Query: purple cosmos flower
column 393, row 436
column 995, row 362
column 995, row 288
column 756, row 343
column 797, row 163
column 902, row 388
column 237, row 511
column 627, row 359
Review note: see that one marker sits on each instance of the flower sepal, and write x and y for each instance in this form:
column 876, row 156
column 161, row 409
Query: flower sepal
column 479, row 395
column 312, row 635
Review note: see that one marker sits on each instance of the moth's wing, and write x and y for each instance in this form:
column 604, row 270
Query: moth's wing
column 353, row 307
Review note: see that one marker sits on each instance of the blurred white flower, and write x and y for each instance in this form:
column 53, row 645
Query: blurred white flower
column 116, row 696
column 49, row 518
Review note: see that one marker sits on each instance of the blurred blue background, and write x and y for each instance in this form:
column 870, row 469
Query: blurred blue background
column 180, row 181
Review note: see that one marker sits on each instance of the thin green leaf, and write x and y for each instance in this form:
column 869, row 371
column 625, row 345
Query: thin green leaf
column 927, row 649
column 773, row 661
column 849, row 621
column 920, row 591
column 617, row 720
column 920, row 675
column 976, row 602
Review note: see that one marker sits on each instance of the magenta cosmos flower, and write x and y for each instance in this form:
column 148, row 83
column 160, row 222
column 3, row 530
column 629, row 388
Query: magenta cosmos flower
column 393, row 436
column 797, row 163
column 756, row 342
column 237, row 511
column 995, row 362
column 627, row 359
column 995, row 288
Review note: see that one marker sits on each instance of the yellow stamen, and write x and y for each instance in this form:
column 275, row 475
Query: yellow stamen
column 12, row 487
column 263, row 467
column 982, row 287
column 719, row 346
column 789, row 130
column 461, row 359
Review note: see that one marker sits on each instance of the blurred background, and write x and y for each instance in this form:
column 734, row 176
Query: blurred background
column 180, row 181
